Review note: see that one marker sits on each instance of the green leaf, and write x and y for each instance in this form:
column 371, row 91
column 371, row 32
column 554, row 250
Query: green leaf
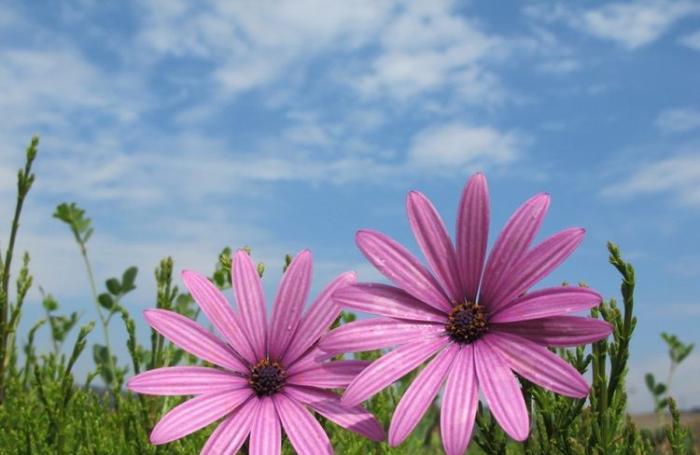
column 687, row 349
column 219, row 278
column 113, row 286
column 128, row 279
column 100, row 355
column 50, row 303
column 660, row 389
column 649, row 379
column 287, row 261
column 662, row 404
column 105, row 300
column 75, row 218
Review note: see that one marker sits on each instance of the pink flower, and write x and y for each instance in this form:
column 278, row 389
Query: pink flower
column 267, row 375
column 476, row 319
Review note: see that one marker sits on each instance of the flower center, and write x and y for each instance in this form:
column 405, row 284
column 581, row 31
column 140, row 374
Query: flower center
column 466, row 322
column 267, row 377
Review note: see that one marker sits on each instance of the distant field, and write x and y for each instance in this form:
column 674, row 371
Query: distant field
column 691, row 419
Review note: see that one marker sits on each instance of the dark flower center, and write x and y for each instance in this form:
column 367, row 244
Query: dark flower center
column 466, row 322
column 267, row 377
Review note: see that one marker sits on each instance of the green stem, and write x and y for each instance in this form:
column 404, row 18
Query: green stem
column 103, row 320
column 671, row 370
column 24, row 183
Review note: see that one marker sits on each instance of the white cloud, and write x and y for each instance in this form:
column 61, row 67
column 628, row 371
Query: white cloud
column 630, row 24
column 692, row 40
column 145, row 170
column 678, row 120
column 44, row 82
column 48, row 84
column 256, row 44
column 562, row 66
column 686, row 309
column 393, row 48
column 456, row 146
column 427, row 47
column 678, row 175
column 633, row 25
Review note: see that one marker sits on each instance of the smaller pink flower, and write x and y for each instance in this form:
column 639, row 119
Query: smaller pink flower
column 267, row 375
column 472, row 320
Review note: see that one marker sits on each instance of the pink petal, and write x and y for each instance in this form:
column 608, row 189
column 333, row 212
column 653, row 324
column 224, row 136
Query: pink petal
column 184, row 380
column 473, row 233
column 291, row 296
column 219, row 312
column 308, row 361
column 538, row 364
column 420, row 394
column 251, row 301
column 536, row 264
column 329, row 375
column 511, row 244
column 304, row 432
column 193, row 338
column 459, row 403
column 197, row 413
column 435, row 243
column 389, row 368
column 378, row 333
column 265, row 433
column 397, row 264
column 564, row 331
column 502, row 391
column 326, row 403
column 386, row 300
column 320, row 315
column 230, row 435
column 547, row 302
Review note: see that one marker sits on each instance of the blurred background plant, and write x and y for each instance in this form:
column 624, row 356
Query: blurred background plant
column 677, row 352
column 43, row 409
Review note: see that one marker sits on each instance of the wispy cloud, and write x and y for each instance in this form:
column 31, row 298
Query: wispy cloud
column 692, row 40
column 49, row 84
column 199, row 167
column 425, row 47
column 463, row 147
column 636, row 24
column 687, row 266
column 254, row 45
column 678, row 176
column 678, row 120
column 630, row 24
column 563, row 66
column 683, row 309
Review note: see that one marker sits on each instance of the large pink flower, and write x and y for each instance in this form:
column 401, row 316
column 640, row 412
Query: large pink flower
column 477, row 320
column 267, row 375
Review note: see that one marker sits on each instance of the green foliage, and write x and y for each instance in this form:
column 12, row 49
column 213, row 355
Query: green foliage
column 678, row 435
column 661, row 392
column 81, row 227
column 9, row 318
column 222, row 270
column 677, row 350
column 74, row 217
column 287, row 261
column 60, row 325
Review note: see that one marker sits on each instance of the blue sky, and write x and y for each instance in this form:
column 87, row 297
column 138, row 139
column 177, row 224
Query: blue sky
column 183, row 127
